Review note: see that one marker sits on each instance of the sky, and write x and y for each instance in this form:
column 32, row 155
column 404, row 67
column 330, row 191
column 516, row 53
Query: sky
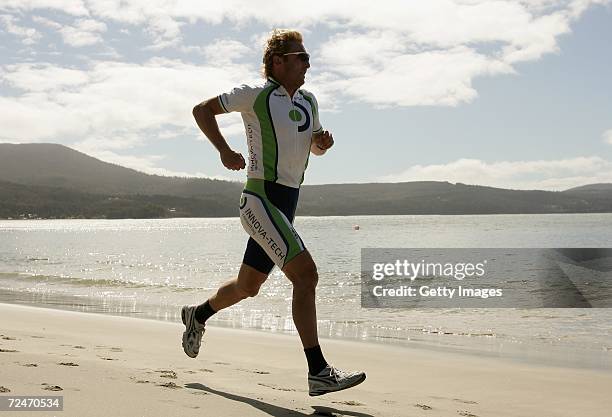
column 512, row 94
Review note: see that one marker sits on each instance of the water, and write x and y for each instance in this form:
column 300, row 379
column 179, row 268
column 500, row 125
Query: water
column 149, row 268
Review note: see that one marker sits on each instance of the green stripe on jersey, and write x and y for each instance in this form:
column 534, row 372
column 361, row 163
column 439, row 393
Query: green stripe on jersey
column 268, row 135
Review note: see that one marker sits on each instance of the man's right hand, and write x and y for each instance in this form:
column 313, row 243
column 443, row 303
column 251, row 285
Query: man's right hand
column 232, row 160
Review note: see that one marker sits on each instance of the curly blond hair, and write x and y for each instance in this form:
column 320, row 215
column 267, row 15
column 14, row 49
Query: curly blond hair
column 277, row 44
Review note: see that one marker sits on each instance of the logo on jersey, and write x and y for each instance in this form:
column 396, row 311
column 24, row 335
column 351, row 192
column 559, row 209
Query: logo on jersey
column 298, row 116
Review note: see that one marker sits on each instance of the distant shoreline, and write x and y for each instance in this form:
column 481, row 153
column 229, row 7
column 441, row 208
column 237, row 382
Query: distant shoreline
column 304, row 215
column 54, row 181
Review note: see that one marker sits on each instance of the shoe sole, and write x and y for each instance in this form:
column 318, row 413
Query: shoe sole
column 184, row 320
column 317, row 393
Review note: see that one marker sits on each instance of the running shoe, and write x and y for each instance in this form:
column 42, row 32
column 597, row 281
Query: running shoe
column 192, row 336
column 331, row 379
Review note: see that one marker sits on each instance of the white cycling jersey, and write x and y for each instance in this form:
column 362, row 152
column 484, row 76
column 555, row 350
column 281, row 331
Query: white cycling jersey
column 278, row 129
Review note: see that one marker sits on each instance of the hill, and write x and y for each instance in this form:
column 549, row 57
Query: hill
column 53, row 165
column 49, row 180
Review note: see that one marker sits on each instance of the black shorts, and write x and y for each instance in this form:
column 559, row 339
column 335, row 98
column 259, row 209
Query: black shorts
column 284, row 199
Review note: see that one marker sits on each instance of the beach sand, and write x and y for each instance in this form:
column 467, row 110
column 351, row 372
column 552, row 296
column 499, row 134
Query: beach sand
column 120, row 366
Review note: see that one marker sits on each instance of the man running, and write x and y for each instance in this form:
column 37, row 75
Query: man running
column 282, row 128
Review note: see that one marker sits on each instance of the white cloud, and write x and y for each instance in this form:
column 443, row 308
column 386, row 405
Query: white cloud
column 222, row 51
column 400, row 54
column 42, row 77
column 554, row 175
column 46, row 22
column 29, row 36
column 84, row 32
column 441, row 77
column 356, row 54
column 111, row 98
column 72, row 7
column 427, row 54
column 607, row 136
column 162, row 19
column 34, row 118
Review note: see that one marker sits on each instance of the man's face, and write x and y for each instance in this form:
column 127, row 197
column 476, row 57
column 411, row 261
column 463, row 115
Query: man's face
column 294, row 66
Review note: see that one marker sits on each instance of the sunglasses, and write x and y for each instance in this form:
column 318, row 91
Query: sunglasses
column 304, row 56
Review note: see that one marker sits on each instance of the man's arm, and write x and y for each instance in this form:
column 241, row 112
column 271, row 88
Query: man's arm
column 321, row 142
column 204, row 114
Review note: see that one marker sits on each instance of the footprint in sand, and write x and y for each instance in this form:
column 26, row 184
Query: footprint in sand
column 51, row 387
column 111, row 348
column 79, row 347
column 205, row 370
column 7, row 338
column 276, row 387
column 37, row 337
column 30, row 365
column 68, row 364
column 459, row 400
column 8, row 350
column 466, row 414
column 4, row 389
column 349, row 402
column 253, row 371
column 423, row 406
column 106, row 359
column 140, row 381
column 222, row 363
column 170, row 385
column 167, row 373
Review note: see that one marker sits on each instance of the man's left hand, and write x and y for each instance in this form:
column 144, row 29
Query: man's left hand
column 323, row 140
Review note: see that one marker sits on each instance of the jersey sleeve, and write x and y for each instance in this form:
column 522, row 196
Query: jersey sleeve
column 316, row 124
column 240, row 99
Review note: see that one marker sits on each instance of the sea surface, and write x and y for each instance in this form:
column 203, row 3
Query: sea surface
column 150, row 268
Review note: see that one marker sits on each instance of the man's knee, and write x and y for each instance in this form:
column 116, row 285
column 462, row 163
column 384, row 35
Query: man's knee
column 304, row 278
column 249, row 290
column 250, row 281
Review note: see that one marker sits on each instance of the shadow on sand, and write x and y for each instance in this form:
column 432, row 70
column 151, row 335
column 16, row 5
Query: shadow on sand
column 275, row 410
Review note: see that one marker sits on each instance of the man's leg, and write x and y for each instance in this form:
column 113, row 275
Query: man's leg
column 302, row 272
column 255, row 268
column 246, row 285
column 322, row 377
column 194, row 317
